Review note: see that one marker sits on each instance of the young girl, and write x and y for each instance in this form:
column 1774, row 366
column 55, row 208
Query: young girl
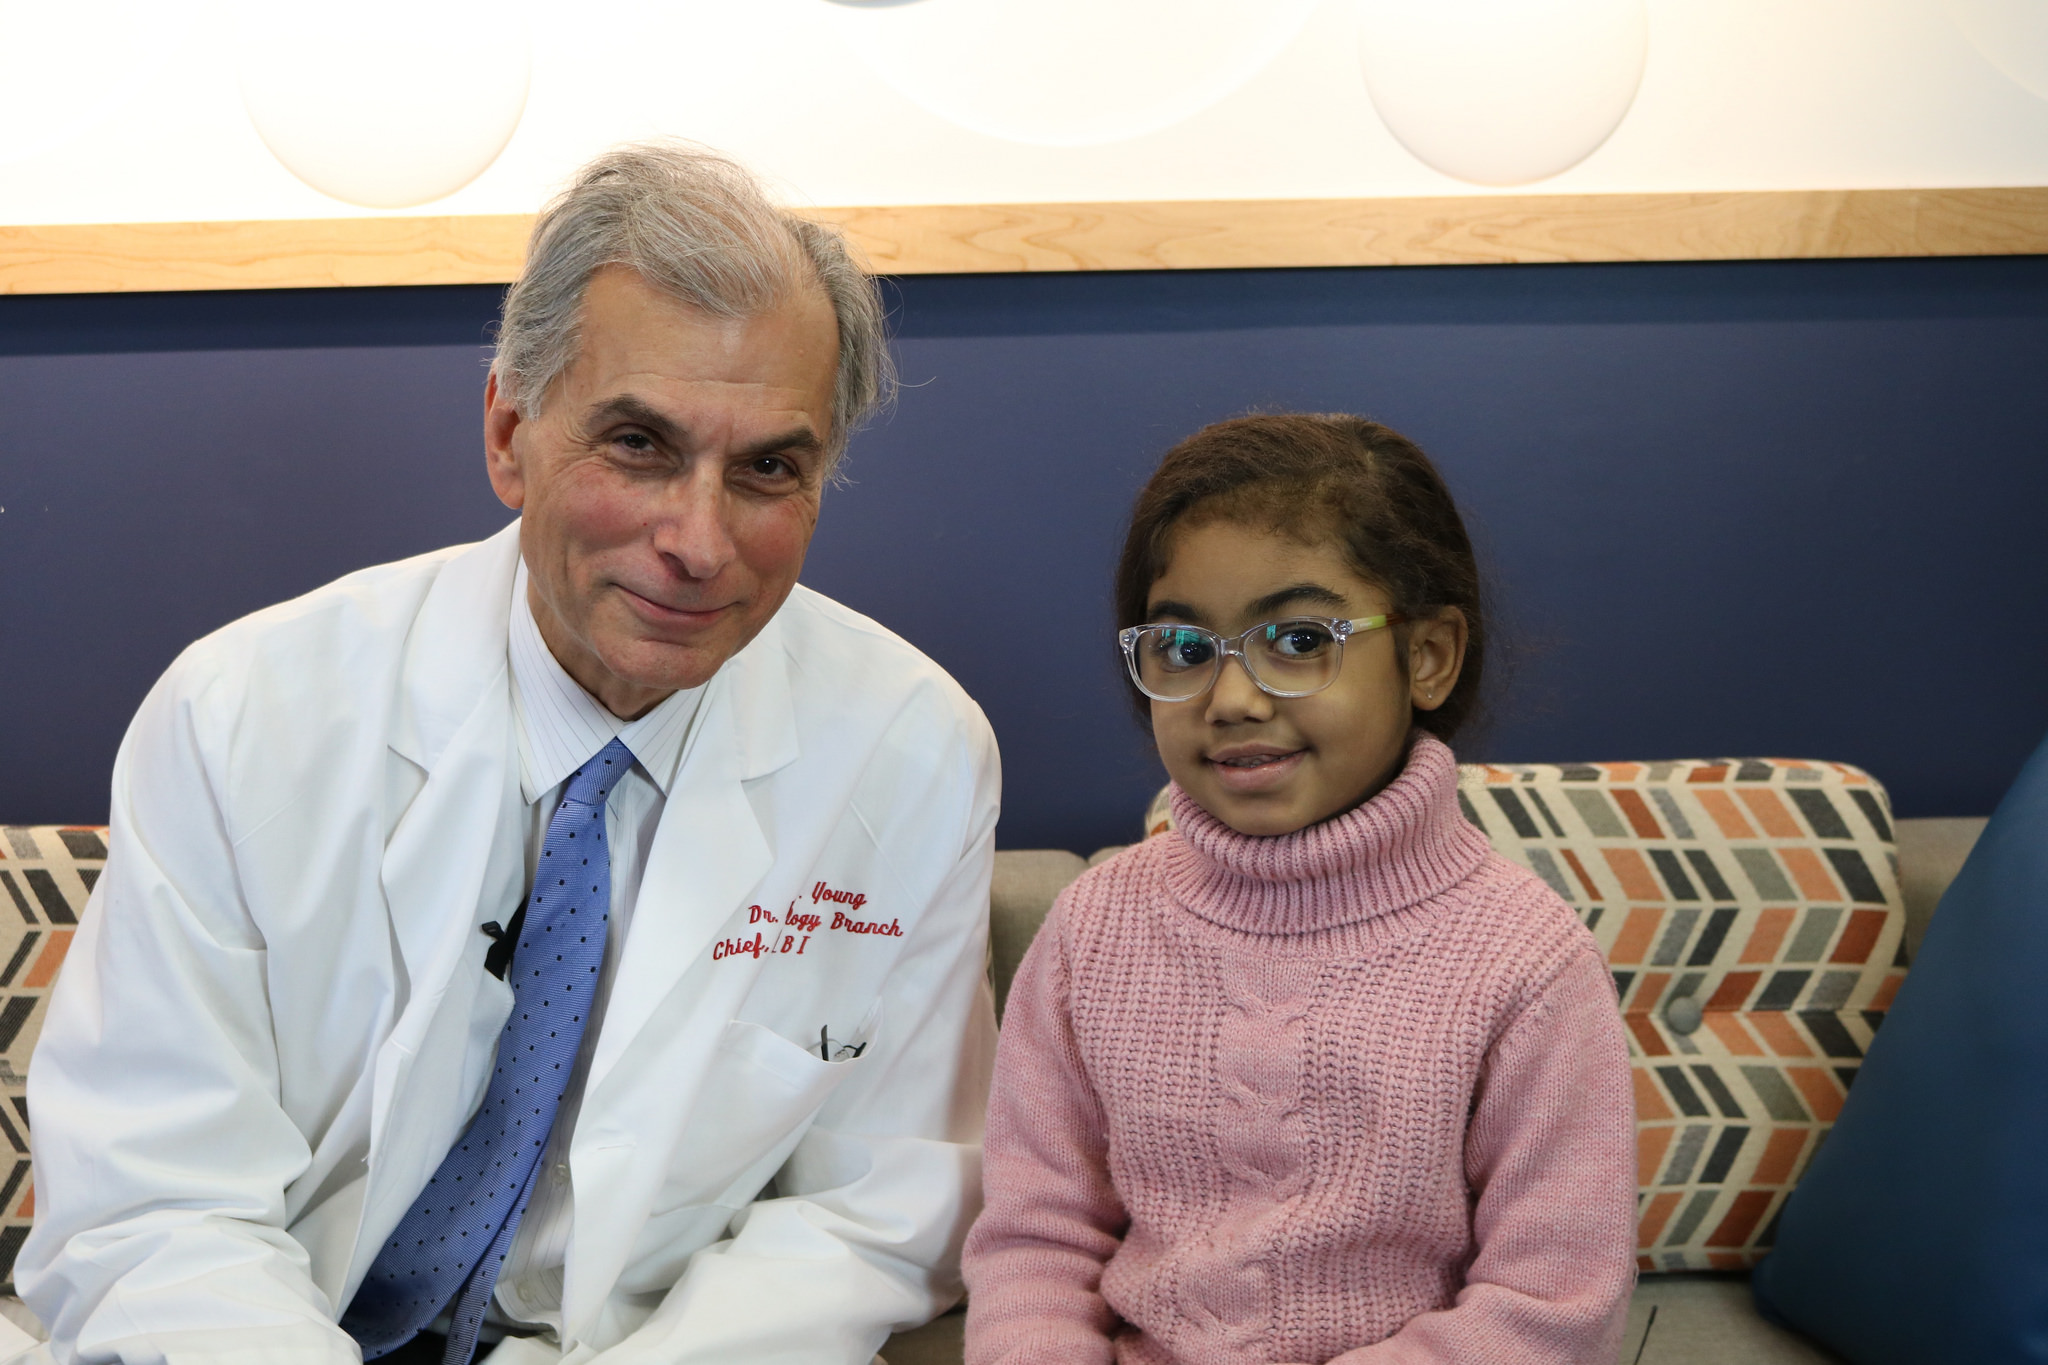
column 1315, row 1076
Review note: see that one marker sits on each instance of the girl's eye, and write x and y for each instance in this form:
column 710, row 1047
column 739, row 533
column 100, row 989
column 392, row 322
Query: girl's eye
column 1298, row 640
column 1179, row 650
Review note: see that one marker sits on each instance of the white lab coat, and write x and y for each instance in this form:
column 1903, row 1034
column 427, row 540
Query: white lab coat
column 276, row 1019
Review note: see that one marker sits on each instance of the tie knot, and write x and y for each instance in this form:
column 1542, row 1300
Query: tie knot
column 592, row 783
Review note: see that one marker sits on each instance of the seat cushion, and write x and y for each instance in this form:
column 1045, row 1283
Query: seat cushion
column 1751, row 916
column 46, row 872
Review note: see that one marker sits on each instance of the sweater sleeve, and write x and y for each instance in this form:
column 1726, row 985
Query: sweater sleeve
column 1034, row 1259
column 1550, row 1157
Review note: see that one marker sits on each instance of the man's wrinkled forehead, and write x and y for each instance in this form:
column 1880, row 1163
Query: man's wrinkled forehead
column 642, row 339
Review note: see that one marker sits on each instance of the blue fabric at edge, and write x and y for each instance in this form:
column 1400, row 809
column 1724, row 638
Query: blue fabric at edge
column 1920, row 1233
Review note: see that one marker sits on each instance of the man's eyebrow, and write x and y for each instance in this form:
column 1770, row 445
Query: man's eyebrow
column 626, row 407
column 1314, row 594
column 796, row 439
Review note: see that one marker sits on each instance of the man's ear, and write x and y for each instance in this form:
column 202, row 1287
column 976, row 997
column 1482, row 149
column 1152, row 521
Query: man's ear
column 1436, row 655
column 502, row 420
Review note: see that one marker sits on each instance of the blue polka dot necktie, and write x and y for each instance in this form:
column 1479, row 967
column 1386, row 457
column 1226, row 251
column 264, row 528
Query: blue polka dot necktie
column 454, row 1239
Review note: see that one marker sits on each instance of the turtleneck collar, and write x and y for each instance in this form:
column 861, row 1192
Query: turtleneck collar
column 1406, row 845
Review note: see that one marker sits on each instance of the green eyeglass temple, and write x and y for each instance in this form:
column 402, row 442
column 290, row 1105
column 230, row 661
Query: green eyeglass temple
column 1294, row 656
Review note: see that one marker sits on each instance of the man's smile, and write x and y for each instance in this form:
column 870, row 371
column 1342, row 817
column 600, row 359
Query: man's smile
column 672, row 615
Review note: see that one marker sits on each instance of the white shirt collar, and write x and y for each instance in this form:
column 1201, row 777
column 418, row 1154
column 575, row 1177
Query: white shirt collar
column 560, row 725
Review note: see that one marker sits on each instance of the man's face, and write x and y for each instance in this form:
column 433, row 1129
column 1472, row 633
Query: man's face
column 669, row 485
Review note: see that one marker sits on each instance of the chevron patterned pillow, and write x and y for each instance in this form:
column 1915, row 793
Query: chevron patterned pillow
column 46, row 872
column 1750, row 913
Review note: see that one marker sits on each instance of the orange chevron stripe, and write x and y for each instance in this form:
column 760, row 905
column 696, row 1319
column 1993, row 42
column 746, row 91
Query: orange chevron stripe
column 1769, row 809
column 1777, row 1031
column 1654, row 1218
column 1861, row 936
column 1781, row 1154
column 1645, row 1030
column 1728, row 1028
column 1822, row 1094
column 1811, row 873
column 50, row 959
column 1634, row 874
column 1769, row 934
column 1727, row 817
column 1650, row 1105
column 1636, row 932
column 1743, row 1216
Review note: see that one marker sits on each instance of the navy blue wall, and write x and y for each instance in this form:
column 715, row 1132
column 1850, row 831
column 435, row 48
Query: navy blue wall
column 1773, row 508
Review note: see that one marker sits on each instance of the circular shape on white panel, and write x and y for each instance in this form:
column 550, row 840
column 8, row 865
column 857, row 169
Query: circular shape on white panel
column 2010, row 34
column 1068, row 73
column 1502, row 92
column 384, row 103
column 67, row 68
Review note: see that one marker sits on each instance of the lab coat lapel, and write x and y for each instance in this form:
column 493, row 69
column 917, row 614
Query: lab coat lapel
column 709, row 849
column 708, row 853
column 455, row 850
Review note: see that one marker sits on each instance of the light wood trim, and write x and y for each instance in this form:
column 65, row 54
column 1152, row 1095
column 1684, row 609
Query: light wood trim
column 304, row 253
column 1471, row 230
column 976, row 238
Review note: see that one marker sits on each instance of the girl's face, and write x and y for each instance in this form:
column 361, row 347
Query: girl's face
column 1271, row 765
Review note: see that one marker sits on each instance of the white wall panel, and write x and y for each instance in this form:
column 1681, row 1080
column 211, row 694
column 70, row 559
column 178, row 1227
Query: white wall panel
column 141, row 117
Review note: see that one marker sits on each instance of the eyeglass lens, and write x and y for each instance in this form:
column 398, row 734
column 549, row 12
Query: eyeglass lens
column 1292, row 657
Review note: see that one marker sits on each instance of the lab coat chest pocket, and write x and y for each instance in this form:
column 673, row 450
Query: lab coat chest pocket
column 756, row 1104
column 758, row 1098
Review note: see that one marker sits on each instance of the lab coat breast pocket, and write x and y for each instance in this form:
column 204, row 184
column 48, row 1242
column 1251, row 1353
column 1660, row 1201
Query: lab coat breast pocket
column 758, row 1100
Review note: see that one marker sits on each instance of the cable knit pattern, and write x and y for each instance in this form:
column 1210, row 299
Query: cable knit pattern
column 1357, row 1093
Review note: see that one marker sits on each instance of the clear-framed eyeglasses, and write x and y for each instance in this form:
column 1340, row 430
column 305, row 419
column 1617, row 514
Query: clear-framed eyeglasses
column 1297, row 656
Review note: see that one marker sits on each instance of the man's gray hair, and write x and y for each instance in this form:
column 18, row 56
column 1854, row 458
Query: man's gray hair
column 698, row 228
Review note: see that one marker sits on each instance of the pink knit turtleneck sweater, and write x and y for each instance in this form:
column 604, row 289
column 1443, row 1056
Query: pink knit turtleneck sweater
column 1354, row 1094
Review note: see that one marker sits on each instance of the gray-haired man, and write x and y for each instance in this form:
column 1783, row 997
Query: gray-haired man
column 570, row 943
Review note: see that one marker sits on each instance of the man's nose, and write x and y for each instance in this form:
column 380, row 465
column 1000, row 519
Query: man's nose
column 1235, row 697
column 694, row 529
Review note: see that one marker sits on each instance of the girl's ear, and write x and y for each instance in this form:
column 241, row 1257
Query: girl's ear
column 1436, row 655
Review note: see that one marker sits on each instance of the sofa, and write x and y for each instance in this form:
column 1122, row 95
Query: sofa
column 1758, row 916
